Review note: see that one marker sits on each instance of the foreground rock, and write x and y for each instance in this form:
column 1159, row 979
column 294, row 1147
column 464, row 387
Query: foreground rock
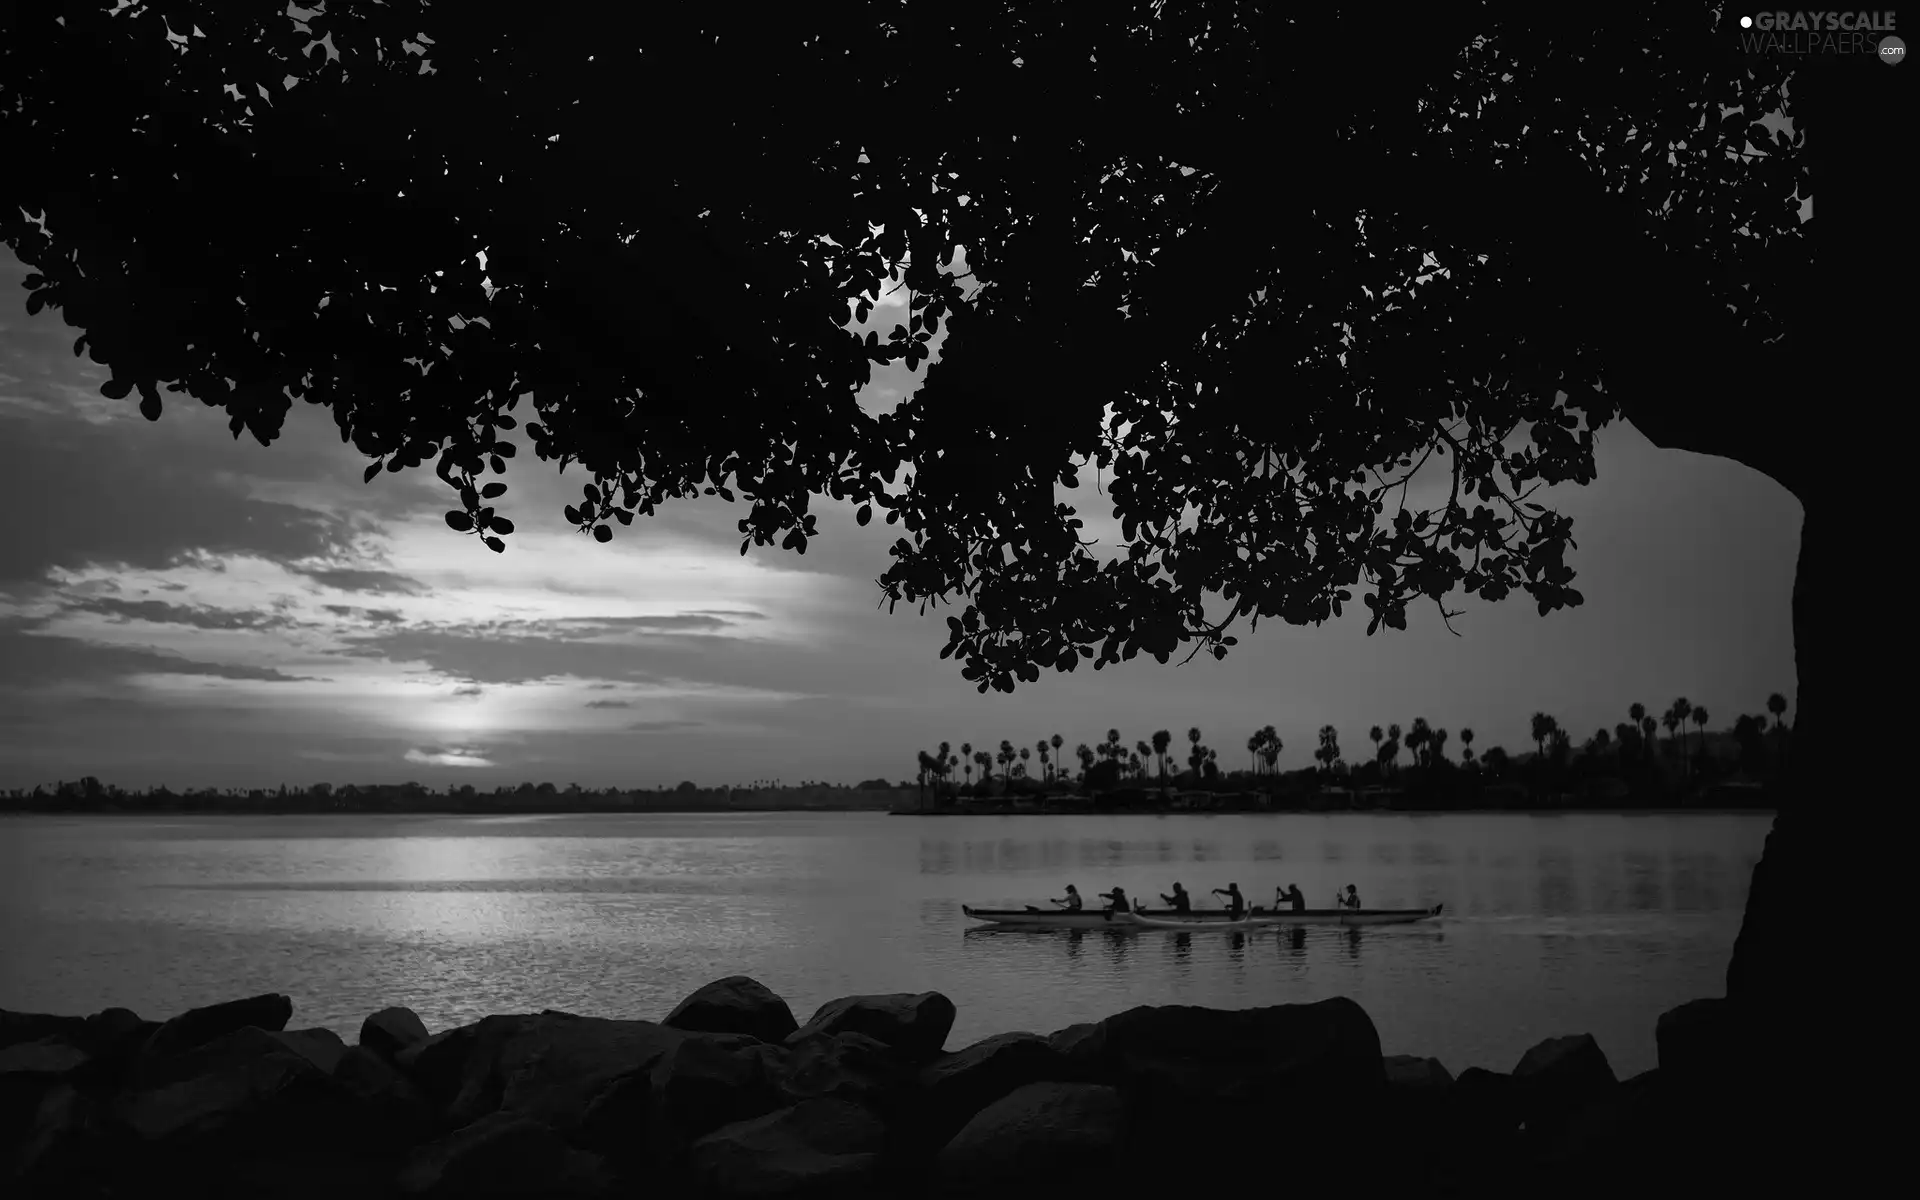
column 735, row 1004
column 730, row 1097
column 822, row 1147
column 1038, row 1139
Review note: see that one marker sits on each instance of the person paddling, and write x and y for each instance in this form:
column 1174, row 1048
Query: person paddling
column 1352, row 898
column 1290, row 895
column 1116, row 901
column 1179, row 902
column 1236, row 903
column 1072, row 903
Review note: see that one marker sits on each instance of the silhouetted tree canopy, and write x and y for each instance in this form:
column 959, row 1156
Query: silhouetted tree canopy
column 1207, row 219
column 1202, row 216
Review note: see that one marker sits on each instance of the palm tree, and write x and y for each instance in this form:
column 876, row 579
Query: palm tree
column 1392, row 748
column 1681, row 711
column 1637, row 713
column 926, row 768
column 1543, row 727
column 1046, row 772
column 1671, row 719
column 1025, row 755
column 1417, row 739
column 1466, row 745
column 1438, row 740
column 1253, row 751
column 940, row 759
column 1700, row 724
column 1648, row 726
column 1271, row 749
column 966, row 753
column 1329, row 751
column 1161, row 741
column 1777, row 705
column 1376, row 734
column 986, row 766
column 1112, row 747
column 1085, row 754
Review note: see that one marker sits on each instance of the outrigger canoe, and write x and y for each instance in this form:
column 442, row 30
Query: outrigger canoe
column 1166, row 918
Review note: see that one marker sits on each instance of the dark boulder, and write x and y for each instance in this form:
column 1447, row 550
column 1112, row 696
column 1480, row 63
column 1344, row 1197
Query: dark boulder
column 550, row 1067
column 247, row 1088
column 1038, row 1140
column 705, row 1081
column 18, row 1027
column 504, row 1154
column 1698, row 1042
column 823, row 1148
column 1411, row 1073
column 736, row 1004
column 1484, row 1104
column 438, row 1066
column 1558, row 1077
column 954, row 1087
column 198, row 1026
column 1289, row 1054
column 1081, row 1051
column 29, row 1071
column 321, row 1047
column 618, row 1124
column 62, row 1147
column 845, row 1066
column 915, row 1026
column 399, row 1114
column 115, row 1038
column 392, row 1030
column 49, row 1058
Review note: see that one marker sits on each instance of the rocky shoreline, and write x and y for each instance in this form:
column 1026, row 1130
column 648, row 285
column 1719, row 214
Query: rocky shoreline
column 729, row 1096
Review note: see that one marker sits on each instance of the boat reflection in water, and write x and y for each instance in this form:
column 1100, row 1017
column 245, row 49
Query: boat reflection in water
column 1118, row 941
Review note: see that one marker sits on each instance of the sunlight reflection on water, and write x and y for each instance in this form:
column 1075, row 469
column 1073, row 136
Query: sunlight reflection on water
column 1554, row 925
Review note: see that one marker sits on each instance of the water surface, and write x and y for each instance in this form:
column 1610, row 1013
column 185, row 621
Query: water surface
column 1559, row 924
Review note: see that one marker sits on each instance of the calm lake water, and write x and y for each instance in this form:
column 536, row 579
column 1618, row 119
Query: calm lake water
column 1554, row 925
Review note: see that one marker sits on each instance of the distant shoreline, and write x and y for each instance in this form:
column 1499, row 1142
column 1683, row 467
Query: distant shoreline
column 1615, row 810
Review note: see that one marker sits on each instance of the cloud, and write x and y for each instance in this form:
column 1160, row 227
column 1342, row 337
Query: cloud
column 355, row 579
column 99, row 497
column 37, row 659
column 663, row 726
column 452, row 757
column 609, row 704
column 159, row 612
column 383, row 616
column 475, row 690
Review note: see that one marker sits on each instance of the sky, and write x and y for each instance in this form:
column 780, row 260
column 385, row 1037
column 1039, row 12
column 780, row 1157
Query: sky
column 180, row 608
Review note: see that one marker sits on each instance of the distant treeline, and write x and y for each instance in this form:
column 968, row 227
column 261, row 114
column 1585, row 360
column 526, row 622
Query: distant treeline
column 1629, row 766
column 91, row 795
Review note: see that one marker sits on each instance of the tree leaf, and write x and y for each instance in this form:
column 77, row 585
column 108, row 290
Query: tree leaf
column 602, row 533
column 493, row 490
column 865, row 514
column 116, row 389
column 455, row 518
